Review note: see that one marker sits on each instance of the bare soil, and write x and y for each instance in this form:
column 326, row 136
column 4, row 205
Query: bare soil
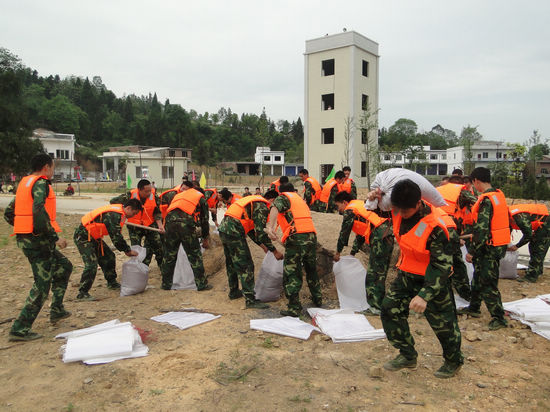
column 224, row 365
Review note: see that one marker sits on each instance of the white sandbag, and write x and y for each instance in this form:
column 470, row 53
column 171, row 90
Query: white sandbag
column 469, row 266
column 183, row 273
column 286, row 326
column 269, row 285
column 350, row 283
column 135, row 273
column 508, row 267
column 387, row 179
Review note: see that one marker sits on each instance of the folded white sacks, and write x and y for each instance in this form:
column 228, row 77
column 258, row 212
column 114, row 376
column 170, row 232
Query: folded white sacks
column 103, row 343
column 135, row 273
column 286, row 326
column 185, row 320
column 532, row 312
column 344, row 325
column 461, row 303
column 183, row 272
column 350, row 275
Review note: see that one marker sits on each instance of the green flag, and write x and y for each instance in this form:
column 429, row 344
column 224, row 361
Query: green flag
column 331, row 174
column 128, row 181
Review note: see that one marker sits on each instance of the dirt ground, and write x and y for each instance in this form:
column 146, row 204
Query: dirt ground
column 224, row 365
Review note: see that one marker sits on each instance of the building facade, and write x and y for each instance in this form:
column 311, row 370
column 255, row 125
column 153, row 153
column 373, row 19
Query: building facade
column 341, row 78
column 274, row 159
column 61, row 148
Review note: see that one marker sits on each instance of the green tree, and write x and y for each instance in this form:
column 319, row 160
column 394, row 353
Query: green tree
column 60, row 115
column 517, row 153
column 368, row 124
column 468, row 137
column 529, row 188
column 542, row 189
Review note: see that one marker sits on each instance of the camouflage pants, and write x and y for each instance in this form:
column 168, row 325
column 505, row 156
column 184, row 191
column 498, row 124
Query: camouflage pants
column 379, row 262
column 152, row 242
column 301, row 252
column 239, row 265
column 538, row 247
column 459, row 278
column 316, row 206
column 178, row 233
column 50, row 269
column 485, row 285
column 440, row 314
column 94, row 252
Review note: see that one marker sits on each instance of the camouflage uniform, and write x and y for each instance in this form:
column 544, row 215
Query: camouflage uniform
column 433, row 288
column 381, row 246
column 153, row 241
column 309, row 192
column 459, row 279
column 207, row 195
column 49, row 266
column 538, row 242
column 238, row 260
column 94, row 252
column 181, row 230
column 486, row 260
column 300, row 252
column 329, row 207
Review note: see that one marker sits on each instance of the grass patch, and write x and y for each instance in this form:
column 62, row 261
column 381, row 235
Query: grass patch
column 226, row 374
column 298, row 398
column 267, row 343
column 156, row 391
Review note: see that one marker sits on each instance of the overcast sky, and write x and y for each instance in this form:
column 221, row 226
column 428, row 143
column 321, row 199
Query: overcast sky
column 455, row 63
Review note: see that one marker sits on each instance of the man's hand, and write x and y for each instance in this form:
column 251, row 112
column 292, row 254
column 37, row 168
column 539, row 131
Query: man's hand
column 462, row 242
column 418, row 304
column 61, row 243
column 278, row 255
column 270, row 233
column 264, row 248
column 469, row 258
column 375, row 194
column 161, row 226
column 205, row 243
column 512, row 248
column 131, row 253
column 336, row 257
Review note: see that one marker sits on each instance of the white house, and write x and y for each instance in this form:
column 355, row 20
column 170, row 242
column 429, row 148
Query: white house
column 60, row 147
column 268, row 157
column 483, row 153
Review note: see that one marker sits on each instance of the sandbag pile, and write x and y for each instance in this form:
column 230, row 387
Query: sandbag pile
column 344, row 325
column 533, row 312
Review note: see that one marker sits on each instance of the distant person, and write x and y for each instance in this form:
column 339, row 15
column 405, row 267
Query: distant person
column 10, row 188
column 247, row 192
column 153, row 185
column 444, row 181
column 457, row 172
column 277, row 183
column 69, row 191
column 258, row 191
column 1, row 186
column 185, row 177
column 312, row 190
column 349, row 184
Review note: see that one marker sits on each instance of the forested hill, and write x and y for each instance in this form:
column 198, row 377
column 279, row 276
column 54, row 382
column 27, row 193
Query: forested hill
column 100, row 119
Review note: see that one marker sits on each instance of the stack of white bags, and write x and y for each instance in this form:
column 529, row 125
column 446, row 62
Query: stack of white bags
column 532, row 312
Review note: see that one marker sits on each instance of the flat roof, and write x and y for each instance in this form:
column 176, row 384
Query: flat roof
column 344, row 39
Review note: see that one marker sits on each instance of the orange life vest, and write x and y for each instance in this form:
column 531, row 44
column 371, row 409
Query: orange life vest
column 98, row 229
column 346, row 186
column 212, row 201
column 301, row 217
column 450, row 193
column 327, row 188
column 500, row 223
column 144, row 217
column 360, row 227
column 237, row 210
column 24, row 221
column 164, row 207
column 234, row 198
column 277, row 184
column 414, row 257
column 537, row 209
column 317, row 187
column 187, row 201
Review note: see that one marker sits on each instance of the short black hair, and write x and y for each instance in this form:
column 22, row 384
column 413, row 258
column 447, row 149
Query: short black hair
column 405, row 194
column 142, row 183
column 134, row 204
column 481, row 173
column 40, row 160
column 303, row 172
column 343, row 196
column 188, row 184
column 466, row 179
column 257, row 188
column 287, row 187
column 226, row 194
column 340, row 175
column 283, row 179
column 246, row 188
column 271, row 194
column 457, row 172
column 456, row 179
column 346, row 169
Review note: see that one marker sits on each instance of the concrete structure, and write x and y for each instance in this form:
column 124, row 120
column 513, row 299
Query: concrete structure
column 341, row 77
column 163, row 165
column 60, row 147
column 271, row 158
column 483, row 153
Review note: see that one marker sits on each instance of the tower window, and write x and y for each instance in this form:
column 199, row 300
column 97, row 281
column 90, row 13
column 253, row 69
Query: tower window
column 365, row 68
column 327, row 101
column 327, row 136
column 327, row 67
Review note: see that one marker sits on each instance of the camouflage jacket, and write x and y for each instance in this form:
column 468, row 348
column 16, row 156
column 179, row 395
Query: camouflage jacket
column 233, row 227
column 41, row 220
column 111, row 220
column 481, row 230
column 309, row 191
column 377, row 234
column 523, row 220
column 123, row 198
column 178, row 215
column 283, row 204
column 441, row 260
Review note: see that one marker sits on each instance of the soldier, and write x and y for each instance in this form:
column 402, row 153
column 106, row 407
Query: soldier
column 246, row 192
column 212, row 198
column 300, row 240
column 150, row 216
column 247, row 216
column 532, row 220
column 329, row 192
column 348, row 185
column 165, row 199
column 491, row 236
column 312, row 190
column 422, row 281
column 187, row 211
column 227, row 197
column 88, row 238
column 32, row 214
column 377, row 232
column 277, row 183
